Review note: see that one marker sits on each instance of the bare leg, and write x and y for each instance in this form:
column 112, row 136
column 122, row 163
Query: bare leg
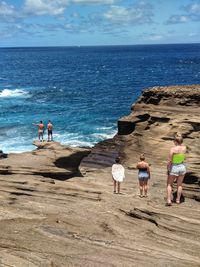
column 170, row 181
column 114, row 184
column 145, row 187
column 118, row 187
column 179, row 188
column 141, row 184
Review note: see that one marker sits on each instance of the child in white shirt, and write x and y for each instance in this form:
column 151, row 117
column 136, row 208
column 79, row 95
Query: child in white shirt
column 118, row 175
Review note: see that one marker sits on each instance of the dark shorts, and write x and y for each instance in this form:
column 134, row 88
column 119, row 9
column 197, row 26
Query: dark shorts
column 49, row 132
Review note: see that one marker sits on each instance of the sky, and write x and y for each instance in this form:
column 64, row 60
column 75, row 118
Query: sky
column 98, row 22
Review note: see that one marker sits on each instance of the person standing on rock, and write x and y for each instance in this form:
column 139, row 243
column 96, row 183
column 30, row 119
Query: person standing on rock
column 176, row 168
column 40, row 130
column 50, row 131
column 143, row 175
column 118, row 175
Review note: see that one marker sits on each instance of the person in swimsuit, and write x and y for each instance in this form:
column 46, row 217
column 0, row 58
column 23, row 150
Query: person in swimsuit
column 50, row 131
column 176, row 168
column 143, row 175
column 118, row 175
column 40, row 130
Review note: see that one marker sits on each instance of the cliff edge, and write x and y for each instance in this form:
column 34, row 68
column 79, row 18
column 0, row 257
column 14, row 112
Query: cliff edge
column 156, row 116
column 49, row 220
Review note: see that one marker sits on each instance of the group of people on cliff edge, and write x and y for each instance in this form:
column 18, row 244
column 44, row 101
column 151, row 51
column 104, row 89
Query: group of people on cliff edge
column 176, row 171
column 41, row 129
column 144, row 174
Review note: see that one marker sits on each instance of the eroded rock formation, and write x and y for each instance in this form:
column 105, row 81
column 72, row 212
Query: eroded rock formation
column 48, row 220
column 158, row 114
column 50, row 159
column 155, row 118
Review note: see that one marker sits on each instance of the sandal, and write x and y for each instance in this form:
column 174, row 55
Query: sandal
column 168, row 204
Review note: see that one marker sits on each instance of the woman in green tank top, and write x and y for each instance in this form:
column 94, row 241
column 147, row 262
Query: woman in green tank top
column 176, row 168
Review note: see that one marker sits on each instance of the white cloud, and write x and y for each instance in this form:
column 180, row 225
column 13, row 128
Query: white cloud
column 45, row 7
column 55, row 7
column 7, row 12
column 154, row 37
column 136, row 14
column 174, row 19
column 192, row 13
column 94, row 2
column 193, row 8
column 6, row 9
column 192, row 34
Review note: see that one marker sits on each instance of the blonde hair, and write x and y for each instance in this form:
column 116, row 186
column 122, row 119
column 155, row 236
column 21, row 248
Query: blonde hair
column 178, row 138
column 142, row 157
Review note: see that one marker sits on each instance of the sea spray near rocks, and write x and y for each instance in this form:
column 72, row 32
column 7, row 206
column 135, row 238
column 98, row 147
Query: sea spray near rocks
column 83, row 88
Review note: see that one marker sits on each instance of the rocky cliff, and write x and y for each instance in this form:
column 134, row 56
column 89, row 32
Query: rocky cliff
column 157, row 115
column 50, row 159
column 155, row 118
column 56, row 212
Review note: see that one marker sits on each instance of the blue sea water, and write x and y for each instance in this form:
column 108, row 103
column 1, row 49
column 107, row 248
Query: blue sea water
column 83, row 90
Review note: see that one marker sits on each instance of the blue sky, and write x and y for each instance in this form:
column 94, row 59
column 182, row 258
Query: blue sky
column 98, row 22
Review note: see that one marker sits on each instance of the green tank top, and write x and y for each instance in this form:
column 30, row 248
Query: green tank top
column 178, row 158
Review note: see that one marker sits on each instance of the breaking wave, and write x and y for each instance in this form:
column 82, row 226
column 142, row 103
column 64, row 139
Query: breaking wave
column 6, row 93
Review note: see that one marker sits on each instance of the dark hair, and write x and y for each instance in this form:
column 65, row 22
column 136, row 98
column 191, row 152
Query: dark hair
column 117, row 159
column 142, row 157
column 40, row 121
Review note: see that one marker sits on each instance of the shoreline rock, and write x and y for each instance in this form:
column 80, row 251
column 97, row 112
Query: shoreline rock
column 155, row 117
column 50, row 159
column 79, row 221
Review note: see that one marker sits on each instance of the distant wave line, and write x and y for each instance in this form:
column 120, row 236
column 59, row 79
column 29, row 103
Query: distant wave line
column 7, row 93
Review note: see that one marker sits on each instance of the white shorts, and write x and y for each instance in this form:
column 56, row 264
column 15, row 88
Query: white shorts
column 178, row 169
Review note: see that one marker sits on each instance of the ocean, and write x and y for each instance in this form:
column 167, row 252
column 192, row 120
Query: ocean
column 82, row 90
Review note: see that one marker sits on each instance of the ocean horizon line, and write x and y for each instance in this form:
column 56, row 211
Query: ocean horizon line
column 103, row 45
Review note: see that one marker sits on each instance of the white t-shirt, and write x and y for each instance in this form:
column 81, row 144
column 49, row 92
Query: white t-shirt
column 118, row 172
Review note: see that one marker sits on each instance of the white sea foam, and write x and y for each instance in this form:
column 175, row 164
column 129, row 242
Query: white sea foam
column 105, row 128
column 78, row 143
column 16, row 147
column 6, row 93
column 72, row 139
column 103, row 136
column 20, row 143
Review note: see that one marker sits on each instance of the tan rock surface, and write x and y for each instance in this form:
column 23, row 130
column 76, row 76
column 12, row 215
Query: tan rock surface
column 157, row 115
column 49, row 222
column 50, row 160
column 80, row 222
